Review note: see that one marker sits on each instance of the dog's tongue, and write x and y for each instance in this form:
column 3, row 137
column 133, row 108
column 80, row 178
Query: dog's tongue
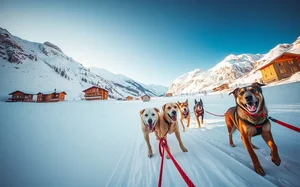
column 251, row 108
column 174, row 118
column 150, row 126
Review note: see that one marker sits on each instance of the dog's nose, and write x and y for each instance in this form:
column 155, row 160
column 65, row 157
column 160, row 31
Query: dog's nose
column 174, row 112
column 184, row 109
column 248, row 97
column 150, row 121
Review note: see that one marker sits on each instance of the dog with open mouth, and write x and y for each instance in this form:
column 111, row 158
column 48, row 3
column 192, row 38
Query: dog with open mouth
column 199, row 112
column 184, row 113
column 169, row 124
column 150, row 123
column 250, row 117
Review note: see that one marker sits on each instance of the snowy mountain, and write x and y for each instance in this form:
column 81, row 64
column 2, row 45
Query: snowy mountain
column 35, row 67
column 231, row 68
column 126, row 81
column 234, row 70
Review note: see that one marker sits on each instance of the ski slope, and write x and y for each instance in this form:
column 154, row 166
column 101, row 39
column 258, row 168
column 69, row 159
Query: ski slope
column 100, row 143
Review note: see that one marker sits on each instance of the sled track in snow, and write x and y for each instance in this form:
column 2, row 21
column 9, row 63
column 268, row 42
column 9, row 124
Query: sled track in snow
column 134, row 167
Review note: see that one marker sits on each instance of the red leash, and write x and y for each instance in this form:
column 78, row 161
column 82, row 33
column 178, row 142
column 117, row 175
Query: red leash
column 284, row 124
column 215, row 114
column 164, row 146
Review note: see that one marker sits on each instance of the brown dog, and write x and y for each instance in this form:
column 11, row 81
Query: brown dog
column 249, row 116
column 168, row 123
column 149, row 123
column 184, row 113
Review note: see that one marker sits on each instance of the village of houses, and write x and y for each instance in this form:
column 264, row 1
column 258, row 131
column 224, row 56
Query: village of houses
column 278, row 68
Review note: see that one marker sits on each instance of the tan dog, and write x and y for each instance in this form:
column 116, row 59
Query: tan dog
column 169, row 124
column 184, row 113
column 149, row 123
column 249, row 116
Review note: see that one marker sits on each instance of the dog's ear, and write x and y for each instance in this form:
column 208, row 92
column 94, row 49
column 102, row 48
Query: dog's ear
column 178, row 103
column 195, row 101
column 187, row 101
column 142, row 111
column 157, row 110
column 258, row 85
column 234, row 92
column 163, row 107
column 201, row 100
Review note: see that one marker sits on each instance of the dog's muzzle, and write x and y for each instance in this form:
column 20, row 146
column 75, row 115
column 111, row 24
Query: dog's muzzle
column 173, row 116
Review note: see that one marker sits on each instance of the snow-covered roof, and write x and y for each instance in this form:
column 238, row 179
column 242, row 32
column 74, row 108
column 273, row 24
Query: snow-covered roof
column 266, row 63
column 51, row 92
column 24, row 92
column 94, row 87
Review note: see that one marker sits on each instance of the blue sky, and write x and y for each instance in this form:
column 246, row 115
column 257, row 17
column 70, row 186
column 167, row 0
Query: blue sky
column 154, row 41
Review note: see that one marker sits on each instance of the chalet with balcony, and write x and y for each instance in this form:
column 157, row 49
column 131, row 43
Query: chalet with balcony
column 169, row 94
column 95, row 93
column 55, row 96
column 19, row 96
column 280, row 67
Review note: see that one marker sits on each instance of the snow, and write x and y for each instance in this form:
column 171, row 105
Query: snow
column 50, row 68
column 100, row 143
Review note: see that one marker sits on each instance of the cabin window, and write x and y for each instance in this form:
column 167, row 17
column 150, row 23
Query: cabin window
column 295, row 69
column 282, row 71
column 290, row 62
column 278, row 64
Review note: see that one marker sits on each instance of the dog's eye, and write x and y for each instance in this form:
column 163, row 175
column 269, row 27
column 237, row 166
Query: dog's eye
column 153, row 114
column 146, row 115
column 242, row 93
column 175, row 106
column 169, row 108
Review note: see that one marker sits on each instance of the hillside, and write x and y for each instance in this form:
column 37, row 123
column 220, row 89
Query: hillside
column 35, row 67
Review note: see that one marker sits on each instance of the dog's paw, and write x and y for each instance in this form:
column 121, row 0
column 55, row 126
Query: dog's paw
column 150, row 155
column 184, row 149
column 259, row 170
column 232, row 145
column 183, row 130
column 276, row 159
column 167, row 156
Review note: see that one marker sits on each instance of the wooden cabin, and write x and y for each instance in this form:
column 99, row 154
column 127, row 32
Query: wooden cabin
column 19, row 96
column 145, row 98
column 55, row 96
column 95, row 93
column 221, row 87
column 280, row 67
column 129, row 98
column 169, row 94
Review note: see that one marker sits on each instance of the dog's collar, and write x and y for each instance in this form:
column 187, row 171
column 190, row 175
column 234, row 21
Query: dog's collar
column 169, row 124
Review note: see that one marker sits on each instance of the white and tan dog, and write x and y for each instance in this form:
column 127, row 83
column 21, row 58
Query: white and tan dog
column 169, row 124
column 149, row 123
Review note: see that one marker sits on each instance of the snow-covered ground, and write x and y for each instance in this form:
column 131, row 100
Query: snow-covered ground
column 100, row 143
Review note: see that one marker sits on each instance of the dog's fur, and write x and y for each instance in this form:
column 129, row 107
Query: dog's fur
column 169, row 124
column 184, row 113
column 149, row 123
column 199, row 111
column 249, row 113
